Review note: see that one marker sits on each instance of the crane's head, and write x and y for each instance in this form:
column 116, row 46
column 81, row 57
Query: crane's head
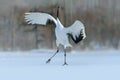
column 58, row 10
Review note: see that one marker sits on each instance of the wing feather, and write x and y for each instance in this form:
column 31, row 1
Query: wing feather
column 38, row 18
column 76, row 31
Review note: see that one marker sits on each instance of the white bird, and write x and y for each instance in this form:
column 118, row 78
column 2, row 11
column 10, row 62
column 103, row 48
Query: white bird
column 76, row 31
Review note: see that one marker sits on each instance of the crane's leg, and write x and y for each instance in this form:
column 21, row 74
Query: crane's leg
column 52, row 56
column 65, row 63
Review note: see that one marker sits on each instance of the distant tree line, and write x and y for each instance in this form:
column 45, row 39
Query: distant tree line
column 100, row 17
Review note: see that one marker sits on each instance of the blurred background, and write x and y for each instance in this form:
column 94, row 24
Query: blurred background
column 100, row 17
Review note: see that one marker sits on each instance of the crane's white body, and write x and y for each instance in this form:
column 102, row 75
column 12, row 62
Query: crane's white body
column 61, row 32
column 76, row 31
column 61, row 35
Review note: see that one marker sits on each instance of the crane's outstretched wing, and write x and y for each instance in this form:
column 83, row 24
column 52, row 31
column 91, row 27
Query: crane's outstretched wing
column 39, row 18
column 76, row 31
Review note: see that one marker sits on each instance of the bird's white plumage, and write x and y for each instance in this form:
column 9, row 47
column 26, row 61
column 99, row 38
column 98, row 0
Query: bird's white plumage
column 61, row 35
column 75, row 29
column 61, row 32
column 38, row 18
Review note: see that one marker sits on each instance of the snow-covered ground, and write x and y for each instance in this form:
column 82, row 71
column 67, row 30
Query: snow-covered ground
column 83, row 65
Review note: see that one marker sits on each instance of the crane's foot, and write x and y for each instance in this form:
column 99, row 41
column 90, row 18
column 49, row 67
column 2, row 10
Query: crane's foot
column 65, row 64
column 48, row 61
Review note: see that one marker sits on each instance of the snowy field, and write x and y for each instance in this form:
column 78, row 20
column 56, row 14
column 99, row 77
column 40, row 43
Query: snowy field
column 84, row 65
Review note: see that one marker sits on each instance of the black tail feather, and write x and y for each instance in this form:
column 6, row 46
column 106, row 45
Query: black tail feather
column 77, row 39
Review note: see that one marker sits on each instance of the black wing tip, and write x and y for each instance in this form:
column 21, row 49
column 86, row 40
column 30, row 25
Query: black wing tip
column 78, row 39
column 49, row 21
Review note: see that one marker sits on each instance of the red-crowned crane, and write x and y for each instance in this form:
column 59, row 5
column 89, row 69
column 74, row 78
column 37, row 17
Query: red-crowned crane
column 76, row 31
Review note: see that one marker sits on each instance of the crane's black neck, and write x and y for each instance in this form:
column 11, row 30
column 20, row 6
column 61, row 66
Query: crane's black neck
column 58, row 11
